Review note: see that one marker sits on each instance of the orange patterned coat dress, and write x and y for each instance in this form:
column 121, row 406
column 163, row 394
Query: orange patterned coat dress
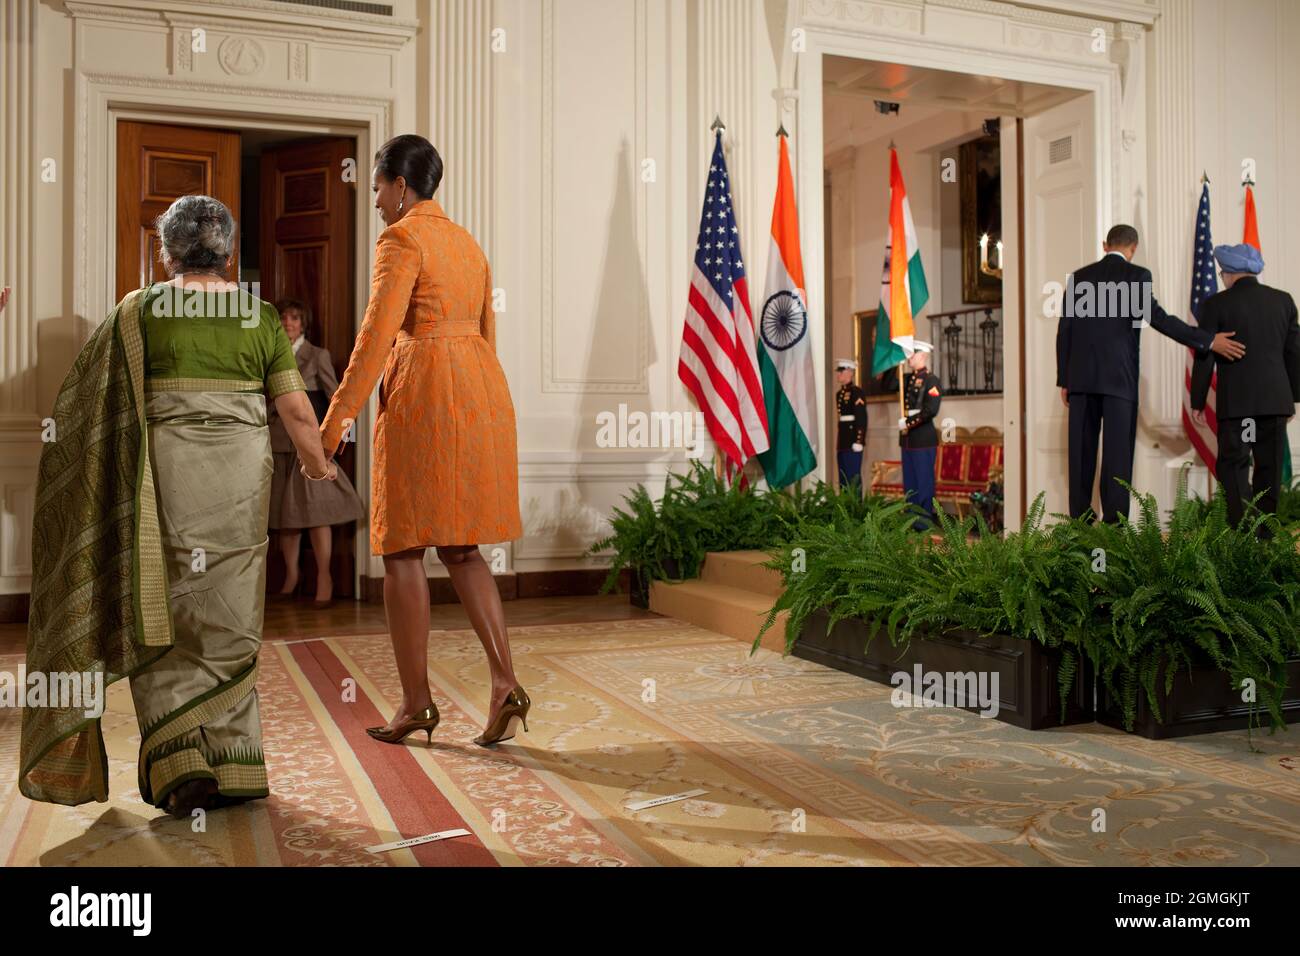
column 445, row 467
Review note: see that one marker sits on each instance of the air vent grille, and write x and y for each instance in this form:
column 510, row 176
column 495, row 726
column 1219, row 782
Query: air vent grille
column 1060, row 150
column 351, row 6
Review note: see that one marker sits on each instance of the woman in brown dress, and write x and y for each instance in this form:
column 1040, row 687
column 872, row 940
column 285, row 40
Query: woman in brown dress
column 445, row 467
column 297, row 503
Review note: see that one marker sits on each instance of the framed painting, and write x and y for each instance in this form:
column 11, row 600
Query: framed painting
column 981, row 215
column 879, row 387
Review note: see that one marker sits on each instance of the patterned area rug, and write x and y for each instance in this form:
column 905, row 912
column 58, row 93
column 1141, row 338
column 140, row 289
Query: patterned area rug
column 801, row 766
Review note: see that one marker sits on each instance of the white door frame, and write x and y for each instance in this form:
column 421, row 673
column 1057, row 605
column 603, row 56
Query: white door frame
column 1100, row 78
column 103, row 99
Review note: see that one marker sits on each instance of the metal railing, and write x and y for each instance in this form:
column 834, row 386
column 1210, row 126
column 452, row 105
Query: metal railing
column 968, row 349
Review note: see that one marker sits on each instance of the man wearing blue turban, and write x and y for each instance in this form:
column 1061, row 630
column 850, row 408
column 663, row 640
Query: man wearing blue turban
column 1256, row 395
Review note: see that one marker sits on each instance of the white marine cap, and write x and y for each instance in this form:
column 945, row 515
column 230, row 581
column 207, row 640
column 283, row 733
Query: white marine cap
column 845, row 363
column 919, row 346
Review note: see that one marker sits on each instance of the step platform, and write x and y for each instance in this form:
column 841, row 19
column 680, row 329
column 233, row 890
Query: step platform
column 732, row 596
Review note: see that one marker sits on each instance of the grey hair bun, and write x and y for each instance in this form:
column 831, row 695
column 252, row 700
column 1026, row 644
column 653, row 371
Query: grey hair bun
column 196, row 232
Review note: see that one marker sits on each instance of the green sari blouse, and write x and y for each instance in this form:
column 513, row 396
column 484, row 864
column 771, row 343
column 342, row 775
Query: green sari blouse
column 201, row 341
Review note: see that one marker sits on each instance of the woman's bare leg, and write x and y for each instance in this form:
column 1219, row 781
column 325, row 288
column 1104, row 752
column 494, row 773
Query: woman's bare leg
column 406, row 604
column 289, row 545
column 477, row 590
column 322, row 540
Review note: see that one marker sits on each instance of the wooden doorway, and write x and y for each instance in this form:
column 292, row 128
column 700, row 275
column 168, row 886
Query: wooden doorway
column 308, row 213
column 306, row 251
column 156, row 165
column 296, row 213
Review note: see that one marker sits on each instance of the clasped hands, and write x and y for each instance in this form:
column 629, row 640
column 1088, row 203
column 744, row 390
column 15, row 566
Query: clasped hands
column 331, row 471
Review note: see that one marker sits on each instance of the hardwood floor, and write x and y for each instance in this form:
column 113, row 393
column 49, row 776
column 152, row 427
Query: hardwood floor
column 300, row 620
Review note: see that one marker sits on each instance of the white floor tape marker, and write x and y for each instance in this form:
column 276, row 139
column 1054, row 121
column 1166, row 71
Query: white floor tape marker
column 660, row 801
column 417, row 841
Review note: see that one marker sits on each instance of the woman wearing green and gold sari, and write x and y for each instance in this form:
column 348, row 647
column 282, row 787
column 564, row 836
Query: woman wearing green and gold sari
column 150, row 532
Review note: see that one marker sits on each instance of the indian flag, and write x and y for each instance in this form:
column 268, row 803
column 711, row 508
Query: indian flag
column 785, row 357
column 903, row 292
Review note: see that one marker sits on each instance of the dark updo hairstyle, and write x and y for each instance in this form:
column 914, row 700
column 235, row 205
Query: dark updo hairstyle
column 414, row 159
column 299, row 306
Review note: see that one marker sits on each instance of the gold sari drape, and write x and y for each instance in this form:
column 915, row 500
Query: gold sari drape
column 148, row 562
column 197, row 705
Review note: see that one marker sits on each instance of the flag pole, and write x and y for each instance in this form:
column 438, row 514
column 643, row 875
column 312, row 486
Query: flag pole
column 719, row 466
column 902, row 403
column 1209, row 481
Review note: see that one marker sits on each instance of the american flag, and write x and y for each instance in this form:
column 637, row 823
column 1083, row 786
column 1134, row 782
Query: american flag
column 718, row 364
column 1204, row 284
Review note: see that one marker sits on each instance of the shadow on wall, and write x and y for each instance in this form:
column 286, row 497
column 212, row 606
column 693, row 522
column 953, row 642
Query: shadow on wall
column 619, row 352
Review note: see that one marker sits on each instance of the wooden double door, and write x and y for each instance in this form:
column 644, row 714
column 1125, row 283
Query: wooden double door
column 306, row 239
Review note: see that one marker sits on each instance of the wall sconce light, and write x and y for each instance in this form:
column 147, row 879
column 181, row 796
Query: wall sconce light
column 985, row 266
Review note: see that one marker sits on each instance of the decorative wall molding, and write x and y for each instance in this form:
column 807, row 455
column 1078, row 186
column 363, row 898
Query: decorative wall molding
column 1175, row 180
column 241, row 55
column 551, row 329
column 93, row 292
column 22, row 172
column 17, row 504
column 298, row 64
column 463, row 113
column 1046, row 33
column 18, row 500
column 182, row 50
column 262, row 17
column 1058, row 13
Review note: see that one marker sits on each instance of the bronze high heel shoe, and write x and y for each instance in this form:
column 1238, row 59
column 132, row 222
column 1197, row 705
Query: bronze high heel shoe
column 503, row 728
column 425, row 720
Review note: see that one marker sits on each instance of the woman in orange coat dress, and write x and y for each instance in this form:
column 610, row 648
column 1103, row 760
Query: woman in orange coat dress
column 445, row 469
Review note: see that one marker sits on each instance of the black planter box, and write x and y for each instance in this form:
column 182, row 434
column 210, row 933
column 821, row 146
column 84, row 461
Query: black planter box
column 1202, row 701
column 1028, row 692
column 638, row 589
column 639, row 582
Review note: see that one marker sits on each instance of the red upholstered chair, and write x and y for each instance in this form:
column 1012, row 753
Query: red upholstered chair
column 950, row 463
column 887, row 478
column 968, row 463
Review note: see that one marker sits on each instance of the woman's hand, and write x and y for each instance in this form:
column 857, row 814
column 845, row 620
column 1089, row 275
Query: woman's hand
column 331, row 471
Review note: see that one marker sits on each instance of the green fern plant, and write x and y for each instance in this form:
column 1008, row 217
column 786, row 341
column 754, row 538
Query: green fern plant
column 700, row 511
column 853, row 566
column 1030, row 584
column 1200, row 592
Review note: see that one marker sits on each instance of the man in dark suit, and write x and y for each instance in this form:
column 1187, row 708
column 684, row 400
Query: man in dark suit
column 1106, row 305
column 1255, row 397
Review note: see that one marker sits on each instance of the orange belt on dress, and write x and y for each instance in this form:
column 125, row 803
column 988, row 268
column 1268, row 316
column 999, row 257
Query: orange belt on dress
column 448, row 328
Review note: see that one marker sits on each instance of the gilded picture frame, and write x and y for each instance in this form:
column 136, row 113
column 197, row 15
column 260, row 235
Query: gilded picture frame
column 980, row 162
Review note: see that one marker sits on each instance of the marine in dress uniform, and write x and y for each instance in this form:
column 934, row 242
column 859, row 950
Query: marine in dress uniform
column 851, row 409
column 917, row 436
column 1257, row 394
